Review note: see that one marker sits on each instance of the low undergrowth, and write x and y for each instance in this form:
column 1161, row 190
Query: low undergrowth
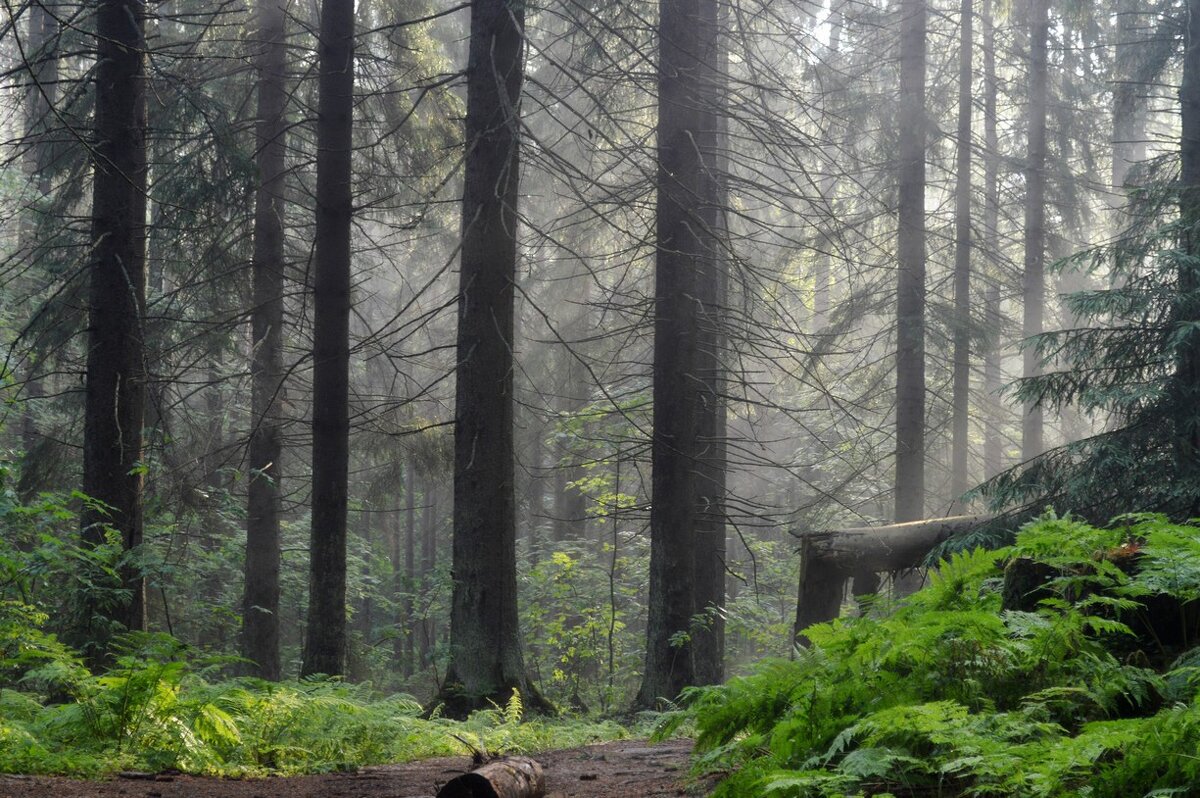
column 1090, row 689
column 160, row 708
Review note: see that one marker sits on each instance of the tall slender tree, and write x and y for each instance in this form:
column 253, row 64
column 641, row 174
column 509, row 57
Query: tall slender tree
column 116, row 373
column 961, row 399
column 1187, row 312
column 993, row 445
column 686, row 340
column 260, row 610
column 1128, row 118
column 1034, row 279
column 910, row 249
column 711, row 282
column 42, row 59
column 325, row 639
column 486, row 660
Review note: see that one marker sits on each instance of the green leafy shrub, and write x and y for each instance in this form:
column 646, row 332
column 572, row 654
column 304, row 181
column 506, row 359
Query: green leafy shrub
column 948, row 694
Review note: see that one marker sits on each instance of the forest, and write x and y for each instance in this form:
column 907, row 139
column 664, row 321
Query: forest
column 783, row 398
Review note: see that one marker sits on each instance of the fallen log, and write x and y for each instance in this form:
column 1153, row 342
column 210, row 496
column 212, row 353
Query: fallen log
column 510, row 777
column 894, row 547
column 828, row 559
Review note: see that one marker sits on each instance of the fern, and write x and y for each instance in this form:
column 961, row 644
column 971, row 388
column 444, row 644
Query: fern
column 947, row 694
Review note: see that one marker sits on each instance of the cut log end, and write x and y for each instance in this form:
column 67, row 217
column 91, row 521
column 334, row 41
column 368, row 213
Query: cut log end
column 511, row 777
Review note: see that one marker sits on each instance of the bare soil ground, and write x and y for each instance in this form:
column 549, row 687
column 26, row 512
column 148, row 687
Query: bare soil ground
column 627, row 769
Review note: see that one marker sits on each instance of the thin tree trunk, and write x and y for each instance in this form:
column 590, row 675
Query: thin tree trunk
column 115, row 392
column 1187, row 377
column 537, row 489
column 486, row 660
column 42, row 53
column 325, row 644
column 409, row 583
column 260, row 614
column 822, row 301
column 993, row 445
column 1129, row 123
column 570, row 503
column 366, row 529
column 910, row 289
column 429, row 519
column 961, row 400
column 260, row 608
column 1034, row 288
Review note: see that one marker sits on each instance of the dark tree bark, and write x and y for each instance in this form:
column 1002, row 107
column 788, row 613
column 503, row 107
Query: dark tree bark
column 1034, row 279
column 685, row 322
column 485, row 643
column 260, row 609
column 325, row 641
column 116, row 376
column 993, row 445
column 819, row 598
column 510, row 777
column 1187, row 377
column 961, row 400
column 708, row 651
column 910, row 289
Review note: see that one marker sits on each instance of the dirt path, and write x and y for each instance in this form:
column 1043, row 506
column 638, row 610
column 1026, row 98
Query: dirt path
column 629, row 769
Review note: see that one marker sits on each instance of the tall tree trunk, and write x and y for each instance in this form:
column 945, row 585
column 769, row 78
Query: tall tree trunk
column 429, row 525
column 1187, row 377
column 115, row 392
column 366, row 529
column 708, row 651
column 537, row 488
column 822, row 301
column 570, row 503
column 1129, row 122
column 910, row 288
column 993, row 445
column 260, row 607
column 42, row 55
column 1034, row 288
column 485, row 643
column 325, row 643
column 406, row 580
column 961, row 437
column 686, row 248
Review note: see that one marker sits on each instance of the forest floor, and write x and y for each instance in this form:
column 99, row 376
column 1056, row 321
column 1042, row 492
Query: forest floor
column 625, row 769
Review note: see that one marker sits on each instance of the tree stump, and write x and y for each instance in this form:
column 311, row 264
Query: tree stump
column 1025, row 582
column 828, row 559
column 511, row 777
